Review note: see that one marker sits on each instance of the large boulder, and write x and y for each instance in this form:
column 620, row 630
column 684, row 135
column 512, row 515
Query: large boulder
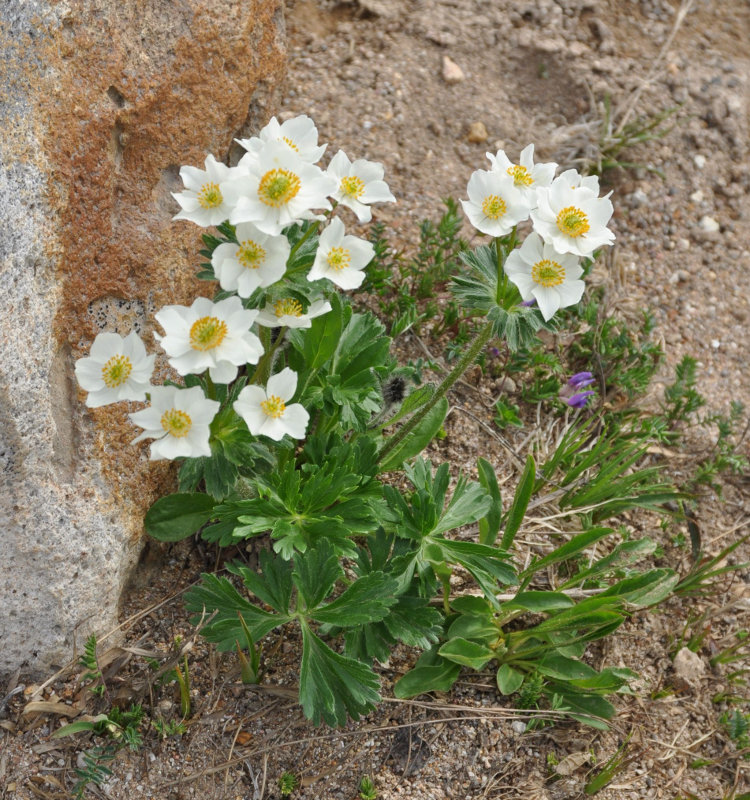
column 103, row 101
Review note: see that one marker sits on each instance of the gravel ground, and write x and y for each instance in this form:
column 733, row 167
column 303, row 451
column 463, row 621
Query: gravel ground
column 427, row 87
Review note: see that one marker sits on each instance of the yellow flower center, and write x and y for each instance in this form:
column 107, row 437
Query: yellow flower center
column 548, row 273
column 210, row 196
column 290, row 143
column 273, row 407
column 250, row 254
column 288, row 307
column 277, row 187
column 521, row 176
column 176, row 423
column 494, row 207
column 207, row 333
column 352, row 186
column 573, row 222
column 339, row 258
column 116, row 371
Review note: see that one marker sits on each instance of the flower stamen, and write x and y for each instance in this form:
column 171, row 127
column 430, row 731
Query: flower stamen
column 207, row 333
column 573, row 222
column 494, row 207
column 277, row 187
column 521, row 176
column 290, row 143
column 210, row 196
column 288, row 307
column 116, row 371
column 352, row 186
column 339, row 258
column 548, row 273
column 250, row 254
column 176, row 423
column 273, row 407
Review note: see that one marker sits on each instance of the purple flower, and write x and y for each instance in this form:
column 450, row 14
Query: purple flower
column 579, row 399
column 581, row 379
column 528, row 303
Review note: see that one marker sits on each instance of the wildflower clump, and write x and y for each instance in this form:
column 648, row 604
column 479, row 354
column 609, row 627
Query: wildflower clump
column 290, row 409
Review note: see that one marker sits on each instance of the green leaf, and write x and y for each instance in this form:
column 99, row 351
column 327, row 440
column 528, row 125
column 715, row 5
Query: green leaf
column 272, row 584
column 517, row 510
column 509, row 680
column 475, row 628
column 318, row 343
column 411, row 403
column 489, row 527
column 538, row 602
column 315, row 573
column 431, row 673
column 566, row 551
column 366, row 600
column 79, row 726
column 623, row 555
column 466, row 653
column 557, row 666
column 418, row 439
column 646, row 589
column 178, row 516
column 332, row 685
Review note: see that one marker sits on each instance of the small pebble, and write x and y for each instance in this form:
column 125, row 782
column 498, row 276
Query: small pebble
column 709, row 224
column 699, row 161
column 452, row 73
column 697, row 196
column 477, row 133
column 518, row 726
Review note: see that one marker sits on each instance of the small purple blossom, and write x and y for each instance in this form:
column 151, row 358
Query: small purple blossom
column 581, row 379
column 528, row 303
column 579, row 399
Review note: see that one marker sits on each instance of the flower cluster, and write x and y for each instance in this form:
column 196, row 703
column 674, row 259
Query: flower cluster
column 275, row 186
column 569, row 222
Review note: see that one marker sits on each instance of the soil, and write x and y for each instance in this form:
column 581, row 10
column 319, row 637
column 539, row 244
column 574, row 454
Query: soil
column 372, row 74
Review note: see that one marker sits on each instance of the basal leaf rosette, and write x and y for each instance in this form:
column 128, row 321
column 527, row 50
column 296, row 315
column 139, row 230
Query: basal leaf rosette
column 359, row 184
column 178, row 420
column 257, row 260
column 203, row 200
column 212, row 336
column 116, row 369
column 542, row 273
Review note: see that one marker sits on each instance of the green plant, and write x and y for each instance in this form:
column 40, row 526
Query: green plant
column 288, row 782
column 614, row 765
column 367, row 789
column 90, row 663
column 737, row 726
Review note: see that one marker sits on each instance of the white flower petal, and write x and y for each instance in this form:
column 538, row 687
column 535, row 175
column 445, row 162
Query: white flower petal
column 283, row 384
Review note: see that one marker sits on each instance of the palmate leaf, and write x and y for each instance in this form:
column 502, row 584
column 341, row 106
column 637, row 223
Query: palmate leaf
column 218, row 595
column 272, row 584
column 315, row 574
column 178, row 516
column 332, row 686
column 366, row 600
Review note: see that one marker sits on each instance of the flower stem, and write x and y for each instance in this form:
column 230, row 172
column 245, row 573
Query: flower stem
column 466, row 360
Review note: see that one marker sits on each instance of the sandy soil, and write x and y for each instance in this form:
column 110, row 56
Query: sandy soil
column 372, row 73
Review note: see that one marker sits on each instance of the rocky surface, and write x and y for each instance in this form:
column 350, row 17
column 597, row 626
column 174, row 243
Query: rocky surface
column 104, row 102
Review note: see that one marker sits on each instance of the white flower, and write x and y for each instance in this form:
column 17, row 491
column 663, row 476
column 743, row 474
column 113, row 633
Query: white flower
column 265, row 410
column 209, row 335
column 203, row 201
column 571, row 216
column 527, row 176
column 575, row 179
column 359, row 184
column 341, row 258
column 115, row 369
column 299, row 134
column 539, row 271
column 495, row 205
column 179, row 420
column 258, row 261
column 288, row 313
column 276, row 188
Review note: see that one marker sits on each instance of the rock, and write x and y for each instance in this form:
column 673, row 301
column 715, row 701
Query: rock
column 91, row 148
column 452, row 73
column 699, row 161
column 688, row 667
column 709, row 224
column 477, row 133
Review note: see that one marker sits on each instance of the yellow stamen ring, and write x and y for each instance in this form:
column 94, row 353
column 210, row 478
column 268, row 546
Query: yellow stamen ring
column 339, row 258
column 278, row 186
column 288, row 307
column 548, row 273
column 521, row 176
column 290, row 143
column 493, row 207
column 250, row 254
column 352, row 187
column 573, row 222
column 273, row 407
column 176, row 423
column 207, row 333
column 210, row 196
column 116, row 371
